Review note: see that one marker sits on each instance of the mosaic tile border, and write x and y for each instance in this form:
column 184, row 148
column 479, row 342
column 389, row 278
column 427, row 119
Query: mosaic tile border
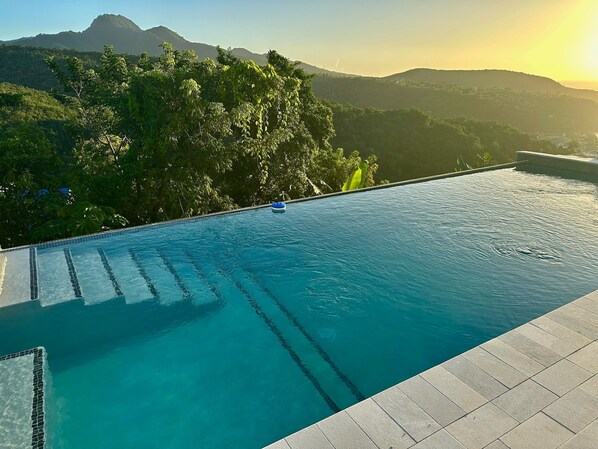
column 37, row 414
column 37, row 411
column 285, row 344
column 117, row 290
column 33, row 273
column 106, row 234
column 72, row 273
column 179, row 281
column 293, row 319
column 201, row 275
column 152, row 288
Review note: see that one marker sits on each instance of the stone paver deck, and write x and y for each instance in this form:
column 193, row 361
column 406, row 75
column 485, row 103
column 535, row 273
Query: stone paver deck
column 533, row 387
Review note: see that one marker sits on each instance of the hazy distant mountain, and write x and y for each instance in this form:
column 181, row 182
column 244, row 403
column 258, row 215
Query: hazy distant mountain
column 489, row 79
column 529, row 111
column 126, row 37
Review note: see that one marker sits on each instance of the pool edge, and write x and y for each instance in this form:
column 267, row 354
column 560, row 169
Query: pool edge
column 456, row 406
column 133, row 229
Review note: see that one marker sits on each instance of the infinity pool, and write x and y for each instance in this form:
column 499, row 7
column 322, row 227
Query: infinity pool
column 236, row 330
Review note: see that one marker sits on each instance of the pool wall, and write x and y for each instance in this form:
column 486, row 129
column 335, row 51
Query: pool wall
column 553, row 164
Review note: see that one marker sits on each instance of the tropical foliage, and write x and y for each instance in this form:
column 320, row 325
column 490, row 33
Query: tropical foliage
column 161, row 139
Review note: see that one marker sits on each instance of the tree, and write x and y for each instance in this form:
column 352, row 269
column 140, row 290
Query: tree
column 174, row 136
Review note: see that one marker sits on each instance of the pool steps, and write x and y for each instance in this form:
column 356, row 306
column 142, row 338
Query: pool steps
column 165, row 277
column 338, row 387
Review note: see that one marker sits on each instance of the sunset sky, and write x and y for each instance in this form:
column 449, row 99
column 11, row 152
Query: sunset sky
column 555, row 38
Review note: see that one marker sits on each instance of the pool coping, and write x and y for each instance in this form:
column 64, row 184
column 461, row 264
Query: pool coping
column 157, row 225
column 534, row 386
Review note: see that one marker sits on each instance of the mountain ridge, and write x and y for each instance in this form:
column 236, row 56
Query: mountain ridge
column 128, row 38
column 491, row 79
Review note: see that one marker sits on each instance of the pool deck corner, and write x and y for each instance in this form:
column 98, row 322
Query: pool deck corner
column 533, row 387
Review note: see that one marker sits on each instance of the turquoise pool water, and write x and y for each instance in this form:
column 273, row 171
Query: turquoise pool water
column 264, row 323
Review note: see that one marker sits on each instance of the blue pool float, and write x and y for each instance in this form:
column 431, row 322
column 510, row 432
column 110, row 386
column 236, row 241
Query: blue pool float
column 279, row 207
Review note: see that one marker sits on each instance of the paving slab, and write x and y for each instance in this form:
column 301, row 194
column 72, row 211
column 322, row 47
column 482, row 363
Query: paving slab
column 513, row 357
column 497, row 445
column 475, row 377
column 580, row 313
column 546, row 339
column 525, row 400
column 587, row 357
column 309, row 438
column 530, row 348
column 562, row 377
column 574, row 324
column 538, row 432
column 458, row 392
column 575, row 410
column 379, row 426
column 586, row 439
column 562, row 332
column 587, row 303
column 482, row 426
column 591, row 386
column 416, row 422
column 280, row 444
column 432, row 401
column 441, row 439
column 501, row 371
column 344, row 433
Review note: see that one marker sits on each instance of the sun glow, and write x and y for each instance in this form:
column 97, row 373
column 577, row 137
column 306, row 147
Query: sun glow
column 576, row 41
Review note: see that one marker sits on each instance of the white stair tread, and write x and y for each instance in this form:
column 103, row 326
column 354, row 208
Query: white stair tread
column 131, row 282
column 53, row 277
column 199, row 289
column 16, row 286
column 95, row 283
column 168, row 290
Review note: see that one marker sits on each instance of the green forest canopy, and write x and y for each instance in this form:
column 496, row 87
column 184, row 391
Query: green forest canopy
column 160, row 139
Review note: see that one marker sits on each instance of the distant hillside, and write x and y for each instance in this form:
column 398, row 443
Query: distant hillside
column 529, row 111
column 490, row 79
column 26, row 66
column 412, row 144
column 127, row 38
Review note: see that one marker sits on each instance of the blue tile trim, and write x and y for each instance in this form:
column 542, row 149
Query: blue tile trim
column 144, row 274
column 285, row 344
column 177, row 277
column 37, row 413
column 344, row 378
column 33, row 273
column 110, row 273
column 72, row 273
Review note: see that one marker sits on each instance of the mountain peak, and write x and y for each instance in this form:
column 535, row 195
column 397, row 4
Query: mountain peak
column 110, row 21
